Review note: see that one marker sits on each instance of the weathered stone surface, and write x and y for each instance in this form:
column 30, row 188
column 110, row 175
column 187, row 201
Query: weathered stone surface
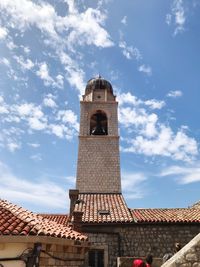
column 191, row 257
column 139, row 240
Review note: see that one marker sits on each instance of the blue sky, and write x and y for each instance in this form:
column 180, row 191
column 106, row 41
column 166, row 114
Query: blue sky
column 148, row 50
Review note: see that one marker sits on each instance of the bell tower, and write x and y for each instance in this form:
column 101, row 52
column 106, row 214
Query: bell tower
column 98, row 168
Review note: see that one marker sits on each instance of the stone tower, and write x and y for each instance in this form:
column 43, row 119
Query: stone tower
column 98, row 168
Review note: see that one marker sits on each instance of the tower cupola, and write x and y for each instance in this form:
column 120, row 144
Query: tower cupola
column 98, row 89
column 98, row 83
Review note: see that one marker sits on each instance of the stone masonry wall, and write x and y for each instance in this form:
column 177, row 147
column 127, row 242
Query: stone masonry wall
column 139, row 240
column 109, row 243
column 98, row 168
column 188, row 256
column 159, row 239
column 61, row 251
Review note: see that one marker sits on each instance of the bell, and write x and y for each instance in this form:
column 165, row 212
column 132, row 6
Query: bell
column 98, row 130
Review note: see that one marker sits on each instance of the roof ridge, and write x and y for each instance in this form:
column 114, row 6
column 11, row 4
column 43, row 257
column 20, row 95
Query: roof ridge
column 163, row 208
column 102, row 193
column 52, row 214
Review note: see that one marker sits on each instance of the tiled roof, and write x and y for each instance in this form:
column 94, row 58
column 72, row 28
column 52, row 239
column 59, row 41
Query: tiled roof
column 187, row 215
column 15, row 220
column 103, row 208
column 58, row 218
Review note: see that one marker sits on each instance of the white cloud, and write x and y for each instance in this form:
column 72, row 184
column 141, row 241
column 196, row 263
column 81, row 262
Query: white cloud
column 36, row 157
column 184, row 175
column 130, row 52
column 58, row 130
column 59, row 81
column 128, row 98
column 9, row 139
column 48, row 101
column 18, row 119
column 132, row 185
column 26, row 49
column 3, row 33
column 147, row 135
column 124, row 20
column 168, row 19
column 178, row 16
column 75, row 76
column 24, row 109
column 5, row 61
column 68, row 116
column 155, row 104
column 11, row 44
column 175, row 94
column 25, row 64
column 24, row 13
column 61, row 33
column 177, row 146
column 146, row 69
column 42, row 194
column 82, row 28
column 4, row 109
column 37, row 124
column 34, row 145
column 43, row 73
column 13, row 146
column 86, row 28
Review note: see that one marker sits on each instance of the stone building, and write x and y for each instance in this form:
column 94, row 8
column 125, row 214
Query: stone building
column 98, row 209
column 97, row 204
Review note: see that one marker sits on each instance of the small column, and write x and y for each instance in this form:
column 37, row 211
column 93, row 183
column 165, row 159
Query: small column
column 77, row 223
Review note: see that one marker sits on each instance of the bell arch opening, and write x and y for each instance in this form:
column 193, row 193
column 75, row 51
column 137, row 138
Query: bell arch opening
column 99, row 123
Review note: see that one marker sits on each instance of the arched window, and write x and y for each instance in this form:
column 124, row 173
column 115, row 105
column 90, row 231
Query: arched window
column 99, row 123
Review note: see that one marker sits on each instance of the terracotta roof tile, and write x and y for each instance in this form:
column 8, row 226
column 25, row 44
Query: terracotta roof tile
column 58, row 218
column 183, row 215
column 103, row 208
column 15, row 220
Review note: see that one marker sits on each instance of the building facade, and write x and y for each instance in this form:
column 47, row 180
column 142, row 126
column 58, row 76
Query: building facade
column 97, row 204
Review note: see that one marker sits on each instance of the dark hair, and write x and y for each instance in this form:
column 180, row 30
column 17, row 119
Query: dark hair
column 149, row 259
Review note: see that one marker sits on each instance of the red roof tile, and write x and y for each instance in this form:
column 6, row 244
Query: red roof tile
column 186, row 215
column 15, row 220
column 58, row 218
column 103, row 208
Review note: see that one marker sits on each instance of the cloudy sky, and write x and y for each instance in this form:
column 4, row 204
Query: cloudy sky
column 147, row 49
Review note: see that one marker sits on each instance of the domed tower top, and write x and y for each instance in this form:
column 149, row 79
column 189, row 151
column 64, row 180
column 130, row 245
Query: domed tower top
column 98, row 89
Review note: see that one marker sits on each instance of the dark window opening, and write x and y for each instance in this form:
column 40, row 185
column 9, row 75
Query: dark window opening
column 104, row 212
column 96, row 258
column 99, row 123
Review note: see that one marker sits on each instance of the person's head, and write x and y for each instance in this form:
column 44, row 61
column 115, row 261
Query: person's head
column 149, row 259
column 177, row 247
